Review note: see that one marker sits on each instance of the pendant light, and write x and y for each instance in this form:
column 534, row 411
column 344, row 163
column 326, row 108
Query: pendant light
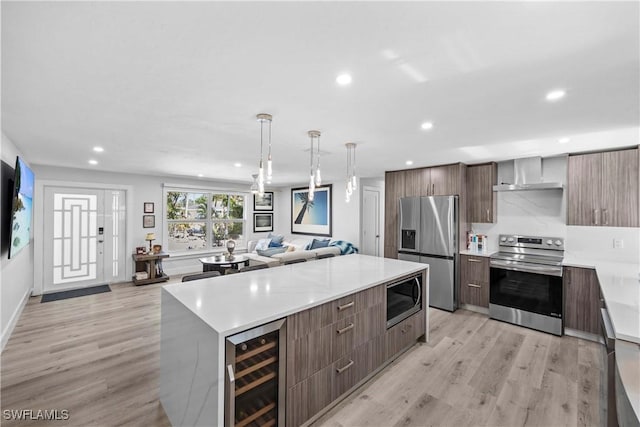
column 352, row 182
column 254, row 185
column 314, row 176
column 262, row 118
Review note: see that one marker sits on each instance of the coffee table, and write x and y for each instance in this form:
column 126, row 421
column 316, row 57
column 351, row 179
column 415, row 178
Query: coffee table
column 210, row 263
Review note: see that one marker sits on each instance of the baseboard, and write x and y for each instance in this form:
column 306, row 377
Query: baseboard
column 475, row 308
column 583, row 335
column 6, row 334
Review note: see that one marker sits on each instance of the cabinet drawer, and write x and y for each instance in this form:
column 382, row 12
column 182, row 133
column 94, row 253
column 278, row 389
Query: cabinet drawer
column 474, row 293
column 355, row 366
column 355, row 303
column 474, row 268
column 404, row 334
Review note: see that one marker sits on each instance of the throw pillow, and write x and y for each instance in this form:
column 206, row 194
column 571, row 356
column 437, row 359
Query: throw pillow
column 263, row 244
column 317, row 243
column 271, row 251
column 290, row 248
column 276, row 239
column 273, row 244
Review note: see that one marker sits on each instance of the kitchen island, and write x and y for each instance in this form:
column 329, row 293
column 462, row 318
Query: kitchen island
column 343, row 296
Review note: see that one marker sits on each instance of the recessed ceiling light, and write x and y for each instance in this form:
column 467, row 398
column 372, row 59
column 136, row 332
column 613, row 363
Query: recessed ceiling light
column 200, row 175
column 93, row 162
column 564, row 140
column 98, row 149
column 556, row 94
column 408, row 162
column 238, row 165
column 426, row 125
column 343, row 79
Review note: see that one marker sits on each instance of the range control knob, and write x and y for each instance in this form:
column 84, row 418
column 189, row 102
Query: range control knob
column 558, row 242
column 510, row 239
column 549, row 242
column 503, row 239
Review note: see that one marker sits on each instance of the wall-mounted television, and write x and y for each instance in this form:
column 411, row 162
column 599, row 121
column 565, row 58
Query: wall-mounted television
column 21, row 208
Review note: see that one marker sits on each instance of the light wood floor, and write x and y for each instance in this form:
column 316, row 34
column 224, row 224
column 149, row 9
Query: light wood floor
column 98, row 357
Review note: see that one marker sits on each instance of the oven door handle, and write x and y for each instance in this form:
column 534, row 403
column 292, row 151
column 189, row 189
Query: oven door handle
column 527, row 268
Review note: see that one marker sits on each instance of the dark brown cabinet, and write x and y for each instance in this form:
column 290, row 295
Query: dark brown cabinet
column 581, row 300
column 603, row 189
column 446, row 180
column 330, row 348
column 474, row 280
column 481, row 199
column 393, row 191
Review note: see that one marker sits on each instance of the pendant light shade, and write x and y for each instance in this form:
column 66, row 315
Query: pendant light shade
column 315, row 178
column 352, row 181
column 254, row 185
column 264, row 119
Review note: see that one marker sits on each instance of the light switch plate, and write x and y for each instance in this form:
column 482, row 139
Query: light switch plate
column 618, row 243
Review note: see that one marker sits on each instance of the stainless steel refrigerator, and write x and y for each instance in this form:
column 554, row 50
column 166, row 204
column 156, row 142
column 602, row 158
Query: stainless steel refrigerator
column 429, row 234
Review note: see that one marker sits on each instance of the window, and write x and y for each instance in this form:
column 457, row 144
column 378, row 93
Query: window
column 197, row 221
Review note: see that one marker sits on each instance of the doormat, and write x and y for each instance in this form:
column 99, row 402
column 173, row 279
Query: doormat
column 75, row 293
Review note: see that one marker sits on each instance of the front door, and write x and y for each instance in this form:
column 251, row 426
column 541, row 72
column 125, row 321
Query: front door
column 84, row 240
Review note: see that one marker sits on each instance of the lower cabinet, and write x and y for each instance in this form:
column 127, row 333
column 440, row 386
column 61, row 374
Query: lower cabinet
column 474, row 280
column 581, row 300
column 334, row 346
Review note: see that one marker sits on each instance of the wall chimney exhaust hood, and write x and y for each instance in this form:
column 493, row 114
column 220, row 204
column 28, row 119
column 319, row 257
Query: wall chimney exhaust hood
column 527, row 175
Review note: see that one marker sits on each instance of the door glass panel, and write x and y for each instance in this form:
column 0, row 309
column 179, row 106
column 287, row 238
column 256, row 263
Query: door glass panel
column 74, row 253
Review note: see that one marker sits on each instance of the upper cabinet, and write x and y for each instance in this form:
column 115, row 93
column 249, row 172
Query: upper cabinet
column 603, row 189
column 445, row 180
column 481, row 199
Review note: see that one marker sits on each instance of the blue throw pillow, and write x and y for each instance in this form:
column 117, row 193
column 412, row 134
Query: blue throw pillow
column 271, row 251
column 276, row 240
column 317, row 243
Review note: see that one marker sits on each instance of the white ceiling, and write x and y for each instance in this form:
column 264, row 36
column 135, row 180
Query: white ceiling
column 172, row 88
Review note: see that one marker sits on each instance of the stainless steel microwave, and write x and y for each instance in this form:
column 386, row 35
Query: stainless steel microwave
column 404, row 298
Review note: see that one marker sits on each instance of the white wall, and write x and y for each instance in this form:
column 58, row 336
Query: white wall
column 147, row 188
column 345, row 216
column 543, row 213
column 17, row 273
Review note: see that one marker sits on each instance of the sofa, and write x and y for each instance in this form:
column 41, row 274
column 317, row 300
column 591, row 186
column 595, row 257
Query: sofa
column 296, row 251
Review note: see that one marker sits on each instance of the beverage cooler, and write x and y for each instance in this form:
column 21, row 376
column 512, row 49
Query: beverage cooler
column 255, row 376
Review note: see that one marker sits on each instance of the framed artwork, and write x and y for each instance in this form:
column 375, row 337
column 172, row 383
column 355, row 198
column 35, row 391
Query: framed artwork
column 148, row 207
column 262, row 222
column 264, row 203
column 148, row 221
column 312, row 217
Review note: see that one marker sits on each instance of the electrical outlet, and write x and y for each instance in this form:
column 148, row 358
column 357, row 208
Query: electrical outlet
column 618, row 243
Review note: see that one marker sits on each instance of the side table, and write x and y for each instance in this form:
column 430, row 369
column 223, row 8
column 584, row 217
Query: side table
column 152, row 265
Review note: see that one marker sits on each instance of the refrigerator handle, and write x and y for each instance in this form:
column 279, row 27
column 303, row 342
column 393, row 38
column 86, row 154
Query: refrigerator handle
column 451, row 231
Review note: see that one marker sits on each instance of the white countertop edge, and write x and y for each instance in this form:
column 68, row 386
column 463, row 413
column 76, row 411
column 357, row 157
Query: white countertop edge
column 473, row 253
column 290, row 311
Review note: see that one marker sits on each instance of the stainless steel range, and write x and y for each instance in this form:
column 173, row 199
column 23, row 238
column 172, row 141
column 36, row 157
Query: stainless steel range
column 526, row 282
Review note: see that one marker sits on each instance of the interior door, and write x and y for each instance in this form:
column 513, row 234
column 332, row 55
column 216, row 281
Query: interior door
column 84, row 240
column 371, row 222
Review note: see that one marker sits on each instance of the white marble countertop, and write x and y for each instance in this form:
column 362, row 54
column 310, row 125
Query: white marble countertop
column 628, row 362
column 234, row 303
column 474, row 253
column 620, row 284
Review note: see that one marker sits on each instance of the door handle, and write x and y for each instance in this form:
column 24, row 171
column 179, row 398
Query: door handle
column 605, row 217
column 595, row 217
column 488, row 218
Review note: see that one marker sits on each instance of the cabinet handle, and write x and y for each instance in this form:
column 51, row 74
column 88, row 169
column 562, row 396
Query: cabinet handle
column 433, row 189
column 488, row 217
column 341, row 370
column 595, row 217
column 345, row 306
column 605, row 217
column 345, row 329
column 473, row 285
column 568, row 276
column 473, row 260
